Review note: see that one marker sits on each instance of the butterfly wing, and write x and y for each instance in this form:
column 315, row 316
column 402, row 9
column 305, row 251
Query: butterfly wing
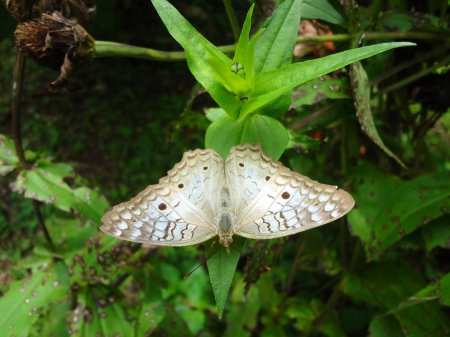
column 290, row 203
column 248, row 170
column 176, row 212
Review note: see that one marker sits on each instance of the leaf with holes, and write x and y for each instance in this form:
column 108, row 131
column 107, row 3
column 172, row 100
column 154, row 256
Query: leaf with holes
column 436, row 233
column 45, row 182
column 19, row 306
column 321, row 88
column 8, row 158
column 361, row 96
column 99, row 314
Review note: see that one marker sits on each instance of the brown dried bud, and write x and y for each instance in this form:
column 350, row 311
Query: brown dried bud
column 55, row 42
column 17, row 8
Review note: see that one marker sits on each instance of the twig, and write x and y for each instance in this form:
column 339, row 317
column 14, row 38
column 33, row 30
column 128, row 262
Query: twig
column 290, row 280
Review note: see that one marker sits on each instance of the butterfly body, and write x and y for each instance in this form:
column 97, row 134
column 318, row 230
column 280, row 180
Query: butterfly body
column 250, row 194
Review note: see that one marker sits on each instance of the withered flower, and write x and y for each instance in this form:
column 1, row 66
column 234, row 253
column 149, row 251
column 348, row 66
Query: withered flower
column 17, row 8
column 55, row 42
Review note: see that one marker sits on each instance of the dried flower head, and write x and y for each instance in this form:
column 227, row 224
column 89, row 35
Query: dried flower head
column 55, row 42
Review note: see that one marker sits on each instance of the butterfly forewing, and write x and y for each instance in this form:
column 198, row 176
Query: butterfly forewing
column 176, row 212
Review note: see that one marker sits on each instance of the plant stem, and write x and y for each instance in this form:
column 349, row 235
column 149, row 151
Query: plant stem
column 114, row 49
column 40, row 219
column 232, row 18
column 16, row 93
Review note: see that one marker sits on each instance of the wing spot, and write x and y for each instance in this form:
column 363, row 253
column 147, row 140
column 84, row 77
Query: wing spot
column 181, row 186
column 162, row 206
column 267, row 178
column 285, row 195
column 205, row 168
column 241, row 165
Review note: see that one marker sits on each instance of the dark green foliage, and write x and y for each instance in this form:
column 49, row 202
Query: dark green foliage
column 381, row 271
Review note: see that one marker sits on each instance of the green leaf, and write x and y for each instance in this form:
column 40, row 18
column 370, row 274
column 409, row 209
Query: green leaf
column 411, row 205
column 245, row 49
column 372, row 189
column 385, row 326
column 361, row 97
column 436, row 233
column 214, row 114
column 234, row 83
column 275, row 49
column 221, row 267
column 391, row 284
column 8, row 158
column 333, row 112
column 276, row 46
column 98, row 313
column 326, row 10
column 323, row 87
column 440, row 290
column 197, row 56
column 45, row 182
column 225, row 133
column 271, row 84
column 101, row 259
column 18, row 307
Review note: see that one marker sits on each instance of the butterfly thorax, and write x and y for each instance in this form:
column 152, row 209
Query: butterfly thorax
column 225, row 219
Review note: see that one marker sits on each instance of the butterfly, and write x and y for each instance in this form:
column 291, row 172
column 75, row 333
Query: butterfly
column 250, row 195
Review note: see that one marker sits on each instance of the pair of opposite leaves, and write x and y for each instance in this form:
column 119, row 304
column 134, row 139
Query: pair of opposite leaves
column 250, row 195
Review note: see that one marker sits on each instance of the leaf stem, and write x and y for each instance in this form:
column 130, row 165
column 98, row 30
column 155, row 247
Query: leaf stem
column 114, row 49
column 232, row 18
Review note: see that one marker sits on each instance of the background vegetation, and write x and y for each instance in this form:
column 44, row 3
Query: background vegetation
column 382, row 271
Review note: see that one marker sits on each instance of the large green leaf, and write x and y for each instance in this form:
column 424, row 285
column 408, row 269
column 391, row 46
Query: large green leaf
column 438, row 290
column 18, row 307
column 271, row 84
column 413, row 204
column 372, row 189
column 390, row 284
column 225, row 133
column 45, row 182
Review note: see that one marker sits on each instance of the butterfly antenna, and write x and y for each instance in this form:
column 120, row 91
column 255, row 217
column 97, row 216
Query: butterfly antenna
column 185, row 277
column 252, row 258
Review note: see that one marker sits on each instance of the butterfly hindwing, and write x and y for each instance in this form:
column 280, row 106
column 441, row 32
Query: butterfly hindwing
column 292, row 203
